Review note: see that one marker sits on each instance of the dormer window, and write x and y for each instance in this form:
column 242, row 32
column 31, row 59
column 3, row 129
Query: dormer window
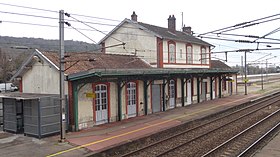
column 171, row 52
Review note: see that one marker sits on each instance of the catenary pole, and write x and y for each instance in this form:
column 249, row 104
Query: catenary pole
column 61, row 78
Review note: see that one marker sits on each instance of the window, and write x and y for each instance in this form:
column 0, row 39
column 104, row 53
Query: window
column 171, row 52
column 131, row 93
column 101, row 97
column 204, row 57
column 189, row 54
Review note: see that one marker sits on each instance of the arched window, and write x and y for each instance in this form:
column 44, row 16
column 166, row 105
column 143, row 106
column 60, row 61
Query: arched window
column 171, row 52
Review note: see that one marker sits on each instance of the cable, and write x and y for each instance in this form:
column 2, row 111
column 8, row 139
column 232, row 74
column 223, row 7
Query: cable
column 28, row 7
column 68, row 24
column 19, row 6
column 272, row 32
column 240, row 24
column 240, row 41
column 92, row 27
column 248, row 36
column 248, row 50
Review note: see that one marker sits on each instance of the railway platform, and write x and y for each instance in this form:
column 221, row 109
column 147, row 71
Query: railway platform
column 109, row 135
column 102, row 137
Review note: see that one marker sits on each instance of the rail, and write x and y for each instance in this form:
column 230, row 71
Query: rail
column 216, row 149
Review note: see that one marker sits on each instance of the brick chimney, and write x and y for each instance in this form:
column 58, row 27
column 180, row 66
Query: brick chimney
column 172, row 23
column 134, row 17
column 187, row 30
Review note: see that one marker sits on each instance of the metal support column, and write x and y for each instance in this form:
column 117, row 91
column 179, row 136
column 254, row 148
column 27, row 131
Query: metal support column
column 119, row 101
column 198, row 89
column 163, row 96
column 183, row 91
column 211, row 88
column 62, row 68
column 75, row 105
column 220, row 86
column 145, row 97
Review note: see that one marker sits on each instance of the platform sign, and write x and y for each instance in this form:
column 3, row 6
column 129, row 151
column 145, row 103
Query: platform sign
column 90, row 95
column 246, row 80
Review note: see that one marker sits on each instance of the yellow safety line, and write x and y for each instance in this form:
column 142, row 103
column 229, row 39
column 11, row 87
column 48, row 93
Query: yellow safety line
column 130, row 132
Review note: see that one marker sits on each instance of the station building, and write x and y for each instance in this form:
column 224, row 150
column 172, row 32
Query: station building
column 142, row 69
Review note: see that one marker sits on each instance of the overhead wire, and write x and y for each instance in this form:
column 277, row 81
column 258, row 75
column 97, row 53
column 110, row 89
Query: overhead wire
column 240, row 24
column 68, row 15
column 68, row 24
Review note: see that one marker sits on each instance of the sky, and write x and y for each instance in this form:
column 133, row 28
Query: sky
column 103, row 15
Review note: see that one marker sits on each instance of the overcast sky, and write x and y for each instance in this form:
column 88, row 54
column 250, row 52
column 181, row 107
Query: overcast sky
column 202, row 15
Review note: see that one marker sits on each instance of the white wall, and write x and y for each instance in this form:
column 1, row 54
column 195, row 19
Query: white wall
column 181, row 58
column 41, row 78
column 136, row 42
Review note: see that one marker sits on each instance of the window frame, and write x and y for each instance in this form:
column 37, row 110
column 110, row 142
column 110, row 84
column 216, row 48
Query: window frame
column 169, row 55
column 187, row 54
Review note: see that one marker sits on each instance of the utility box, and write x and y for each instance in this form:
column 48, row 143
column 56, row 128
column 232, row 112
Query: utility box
column 36, row 115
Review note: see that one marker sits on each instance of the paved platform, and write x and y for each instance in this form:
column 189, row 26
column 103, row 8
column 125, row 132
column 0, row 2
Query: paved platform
column 108, row 135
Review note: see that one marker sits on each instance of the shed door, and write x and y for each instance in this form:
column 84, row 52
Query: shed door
column 189, row 92
column 101, row 104
column 131, row 99
column 172, row 93
column 155, row 98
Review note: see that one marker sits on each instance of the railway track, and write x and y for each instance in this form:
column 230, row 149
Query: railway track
column 240, row 144
column 199, row 139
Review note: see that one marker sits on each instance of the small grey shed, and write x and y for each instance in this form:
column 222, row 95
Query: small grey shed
column 36, row 115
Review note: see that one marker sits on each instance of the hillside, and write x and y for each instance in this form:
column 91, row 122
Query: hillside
column 14, row 51
column 46, row 45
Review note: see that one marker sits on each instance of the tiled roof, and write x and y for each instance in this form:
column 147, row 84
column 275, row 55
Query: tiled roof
column 177, row 35
column 160, row 32
column 216, row 64
column 78, row 62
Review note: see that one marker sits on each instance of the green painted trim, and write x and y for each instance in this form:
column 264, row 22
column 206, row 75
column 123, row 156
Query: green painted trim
column 198, row 89
column 140, row 72
column 145, row 97
column 183, row 91
column 220, row 87
column 75, row 97
column 119, row 101
column 163, row 96
column 211, row 88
